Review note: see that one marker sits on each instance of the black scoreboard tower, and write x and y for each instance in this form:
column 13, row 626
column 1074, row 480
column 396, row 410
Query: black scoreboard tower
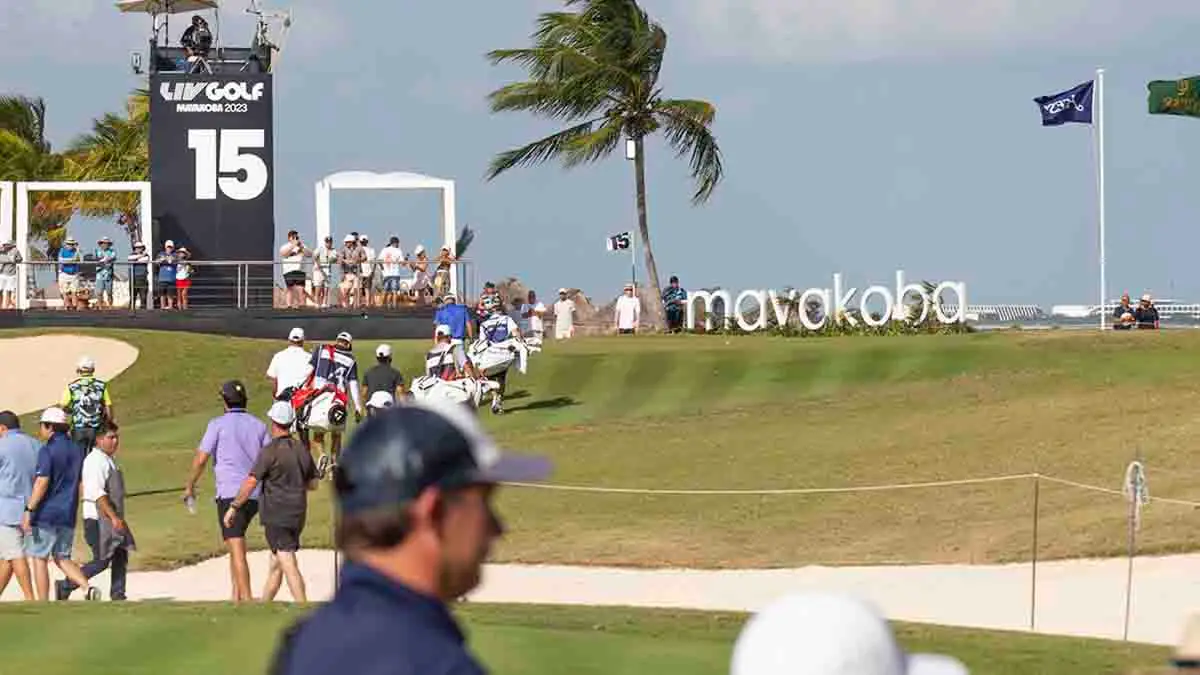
column 212, row 180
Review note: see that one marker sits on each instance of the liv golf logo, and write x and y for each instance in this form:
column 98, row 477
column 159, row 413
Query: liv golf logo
column 834, row 304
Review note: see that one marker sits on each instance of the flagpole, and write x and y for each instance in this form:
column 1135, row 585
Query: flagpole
column 1100, row 177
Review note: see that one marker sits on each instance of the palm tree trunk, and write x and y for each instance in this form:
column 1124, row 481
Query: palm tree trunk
column 654, row 302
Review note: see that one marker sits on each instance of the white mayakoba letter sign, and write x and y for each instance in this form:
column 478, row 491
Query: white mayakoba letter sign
column 834, row 303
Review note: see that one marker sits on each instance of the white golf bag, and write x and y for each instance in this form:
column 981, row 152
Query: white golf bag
column 493, row 359
column 326, row 412
column 466, row 390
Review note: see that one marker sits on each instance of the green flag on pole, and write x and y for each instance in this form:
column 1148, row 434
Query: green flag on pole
column 1175, row 97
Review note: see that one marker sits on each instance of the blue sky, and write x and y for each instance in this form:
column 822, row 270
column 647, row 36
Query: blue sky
column 859, row 136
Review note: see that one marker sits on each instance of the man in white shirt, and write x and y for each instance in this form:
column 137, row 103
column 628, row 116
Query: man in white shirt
column 290, row 368
column 291, row 257
column 368, row 271
column 564, row 316
column 323, row 259
column 628, row 312
column 103, row 505
column 392, row 262
column 532, row 323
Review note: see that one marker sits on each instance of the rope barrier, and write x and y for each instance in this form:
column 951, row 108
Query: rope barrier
column 595, row 489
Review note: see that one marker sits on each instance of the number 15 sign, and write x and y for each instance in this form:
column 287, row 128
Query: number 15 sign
column 211, row 164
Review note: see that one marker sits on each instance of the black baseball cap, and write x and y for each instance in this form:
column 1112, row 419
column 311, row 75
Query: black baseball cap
column 397, row 454
column 234, row 393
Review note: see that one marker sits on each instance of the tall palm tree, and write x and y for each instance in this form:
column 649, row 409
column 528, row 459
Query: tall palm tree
column 598, row 69
column 117, row 149
column 26, row 155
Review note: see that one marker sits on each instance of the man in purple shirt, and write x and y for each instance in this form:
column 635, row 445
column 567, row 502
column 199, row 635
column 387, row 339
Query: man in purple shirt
column 233, row 442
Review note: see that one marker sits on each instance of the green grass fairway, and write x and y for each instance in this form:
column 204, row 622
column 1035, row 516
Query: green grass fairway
column 757, row 412
column 172, row 639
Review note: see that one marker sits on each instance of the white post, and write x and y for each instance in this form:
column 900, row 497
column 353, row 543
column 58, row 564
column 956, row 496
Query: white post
column 449, row 228
column 22, row 237
column 1099, row 128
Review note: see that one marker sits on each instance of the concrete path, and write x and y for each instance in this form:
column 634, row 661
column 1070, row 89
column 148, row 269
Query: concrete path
column 1075, row 597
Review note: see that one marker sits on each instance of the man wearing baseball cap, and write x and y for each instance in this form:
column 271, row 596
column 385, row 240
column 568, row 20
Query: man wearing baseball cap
column 457, row 317
column 379, row 401
column 831, row 634
column 335, row 366
column 233, row 441
column 87, row 401
column 50, row 513
column 10, row 257
column 416, row 522
column 382, row 376
column 286, row 472
column 69, row 258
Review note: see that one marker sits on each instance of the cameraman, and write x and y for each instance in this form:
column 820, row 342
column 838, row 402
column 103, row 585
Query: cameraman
column 292, row 255
column 197, row 42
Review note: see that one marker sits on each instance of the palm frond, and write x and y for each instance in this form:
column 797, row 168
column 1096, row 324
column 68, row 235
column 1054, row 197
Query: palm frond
column 556, row 100
column 686, row 124
column 594, row 145
column 539, row 151
column 25, row 117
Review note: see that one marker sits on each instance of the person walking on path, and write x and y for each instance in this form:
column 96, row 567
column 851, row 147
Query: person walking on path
column 49, row 520
column 289, row 370
column 382, row 376
column 18, row 463
column 564, row 316
column 457, row 317
column 87, row 401
column 104, row 526
column 335, row 366
column 286, row 472
column 233, row 442
column 415, row 494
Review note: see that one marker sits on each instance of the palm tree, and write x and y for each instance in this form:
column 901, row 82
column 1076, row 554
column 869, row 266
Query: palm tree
column 118, row 150
column 26, row 155
column 598, row 69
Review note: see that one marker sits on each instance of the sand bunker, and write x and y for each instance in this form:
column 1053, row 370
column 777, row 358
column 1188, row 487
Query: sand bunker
column 34, row 370
column 1083, row 598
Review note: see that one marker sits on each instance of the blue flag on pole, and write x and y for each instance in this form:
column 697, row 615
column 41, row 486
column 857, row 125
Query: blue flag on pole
column 1072, row 105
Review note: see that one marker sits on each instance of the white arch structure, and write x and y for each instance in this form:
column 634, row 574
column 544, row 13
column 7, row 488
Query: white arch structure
column 22, row 224
column 398, row 180
column 6, row 211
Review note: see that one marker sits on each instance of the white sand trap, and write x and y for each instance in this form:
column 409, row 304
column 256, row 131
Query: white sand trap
column 37, row 369
column 1075, row 597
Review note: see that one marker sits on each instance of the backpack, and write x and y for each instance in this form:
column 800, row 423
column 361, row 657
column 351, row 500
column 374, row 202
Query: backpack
column 87, row 402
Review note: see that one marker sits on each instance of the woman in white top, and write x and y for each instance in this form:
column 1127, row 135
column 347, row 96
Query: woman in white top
column 183, row 278
column 420, row 267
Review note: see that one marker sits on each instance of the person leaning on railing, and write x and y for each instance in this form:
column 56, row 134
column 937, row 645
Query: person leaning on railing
column 139, row 284
column 10, row 257
column 106, row 258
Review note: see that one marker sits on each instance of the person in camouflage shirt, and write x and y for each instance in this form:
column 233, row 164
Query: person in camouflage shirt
column 88, row 405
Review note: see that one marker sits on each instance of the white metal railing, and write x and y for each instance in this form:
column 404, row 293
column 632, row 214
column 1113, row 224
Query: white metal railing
column 229, row 284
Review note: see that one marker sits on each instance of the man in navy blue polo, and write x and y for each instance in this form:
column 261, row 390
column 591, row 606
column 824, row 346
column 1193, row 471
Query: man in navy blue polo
column 414, row 490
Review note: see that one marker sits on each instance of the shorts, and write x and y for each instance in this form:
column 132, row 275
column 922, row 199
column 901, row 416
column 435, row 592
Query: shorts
column 50, row 541
column 349, row 280
column 320, row 280
column 293, row 279
column 282, row 539
column 183, row 283
column 104, row 284
column 241, row 521
column 165, row 287
column 12, row 542
column 8, row 283
column 68, row 283
column 392, row 284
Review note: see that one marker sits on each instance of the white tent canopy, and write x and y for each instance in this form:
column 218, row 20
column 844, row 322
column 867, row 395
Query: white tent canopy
column 398, row 180
column 165, row 6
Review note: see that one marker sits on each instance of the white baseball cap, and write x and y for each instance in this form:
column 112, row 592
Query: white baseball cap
column 443, row 329
column 383, row 351
column 349, row 238
column 54, row 415
column 86, row 364
column 363, row 238
column 380, row 400
column 831, row 634
column 169, row 244
column 344, row 336
column 562, row 291
column 281, row 413
column 296, row 335
column 418, row 250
